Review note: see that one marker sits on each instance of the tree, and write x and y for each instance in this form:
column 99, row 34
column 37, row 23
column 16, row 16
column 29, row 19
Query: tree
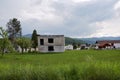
column 34, row 39
column 14, row 29
column 4, row 42
column 74, row 46
column 24, row 43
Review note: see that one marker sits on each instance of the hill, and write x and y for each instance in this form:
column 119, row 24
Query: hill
column 68, row 40
column 94, row 39
column 28, row 35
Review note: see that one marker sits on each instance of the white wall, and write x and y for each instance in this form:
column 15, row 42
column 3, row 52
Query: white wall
column 59, row 42
column 56, row 49
column 69, row 47
column 59, row 49
column 117, row 45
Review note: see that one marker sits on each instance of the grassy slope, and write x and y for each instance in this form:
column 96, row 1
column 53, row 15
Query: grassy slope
column 74, row 65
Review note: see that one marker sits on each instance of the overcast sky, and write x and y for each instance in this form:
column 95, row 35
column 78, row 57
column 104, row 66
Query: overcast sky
column 73, row 18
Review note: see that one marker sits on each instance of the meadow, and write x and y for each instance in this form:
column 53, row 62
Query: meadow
column 70, row 65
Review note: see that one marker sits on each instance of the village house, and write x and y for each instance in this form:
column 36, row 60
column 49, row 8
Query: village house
column 69, row 47
column 108, row 44
column 51, row 43
column 85, row 46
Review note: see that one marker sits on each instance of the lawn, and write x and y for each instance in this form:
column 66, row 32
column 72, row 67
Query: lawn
column 70, row 65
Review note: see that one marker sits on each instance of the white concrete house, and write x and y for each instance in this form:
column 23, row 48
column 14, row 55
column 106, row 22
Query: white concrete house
column 69, row 47
column 51, row 43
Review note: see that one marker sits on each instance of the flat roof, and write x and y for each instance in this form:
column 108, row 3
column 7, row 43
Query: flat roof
column 51, row 35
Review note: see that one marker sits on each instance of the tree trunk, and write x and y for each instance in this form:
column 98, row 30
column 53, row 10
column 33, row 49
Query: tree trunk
column 22, row 50
column 2, row 51
column 26, row 50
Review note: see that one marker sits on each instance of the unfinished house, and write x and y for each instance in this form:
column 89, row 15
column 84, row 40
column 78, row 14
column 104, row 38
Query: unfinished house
column 51, row 43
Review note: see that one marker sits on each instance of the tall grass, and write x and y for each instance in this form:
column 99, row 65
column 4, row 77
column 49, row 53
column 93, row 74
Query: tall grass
column 71, row 65
column 94, row 71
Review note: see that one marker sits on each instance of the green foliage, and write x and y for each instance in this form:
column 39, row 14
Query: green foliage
column 74, row 46
column 3, row 33
column 14, row 29
column 24, row 43
column 5, row 44
column 34, row 39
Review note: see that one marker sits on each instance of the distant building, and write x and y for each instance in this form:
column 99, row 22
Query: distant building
column 69, row 47
column 84, row 46
column 51, row 43
column 108, row 44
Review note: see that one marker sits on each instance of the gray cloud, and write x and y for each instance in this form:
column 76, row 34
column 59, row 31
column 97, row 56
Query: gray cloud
column 75, row 19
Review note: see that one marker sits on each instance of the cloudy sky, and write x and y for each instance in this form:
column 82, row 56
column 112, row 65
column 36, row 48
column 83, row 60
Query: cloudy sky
column 73, row 18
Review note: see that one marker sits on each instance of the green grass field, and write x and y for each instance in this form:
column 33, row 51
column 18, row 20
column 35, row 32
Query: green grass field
column 70, row 65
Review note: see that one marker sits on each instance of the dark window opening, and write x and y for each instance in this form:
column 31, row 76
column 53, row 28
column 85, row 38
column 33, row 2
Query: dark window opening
column 41, row 41
column 50, row 40
column 50, row 48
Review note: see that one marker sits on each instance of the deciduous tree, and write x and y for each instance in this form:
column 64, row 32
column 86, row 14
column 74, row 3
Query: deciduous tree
column 5, row 44
column 24, row 43
column 74, row 46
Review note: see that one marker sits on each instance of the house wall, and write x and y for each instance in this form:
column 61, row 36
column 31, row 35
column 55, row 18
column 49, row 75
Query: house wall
column 69, row 47
column 58, row 43
column 56, row 49
column 117, row 45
